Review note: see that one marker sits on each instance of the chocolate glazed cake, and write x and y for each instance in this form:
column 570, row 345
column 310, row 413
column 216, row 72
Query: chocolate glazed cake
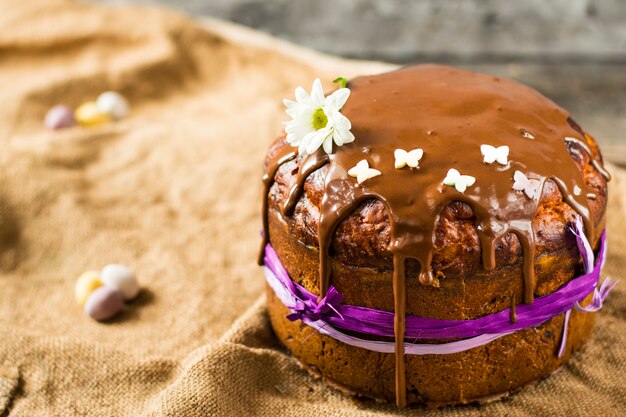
column 405, row 242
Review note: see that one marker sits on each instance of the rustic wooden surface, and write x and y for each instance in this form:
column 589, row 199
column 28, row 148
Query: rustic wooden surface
column 573, row 51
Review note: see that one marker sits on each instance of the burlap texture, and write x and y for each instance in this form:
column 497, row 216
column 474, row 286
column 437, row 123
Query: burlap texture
column 174, row 191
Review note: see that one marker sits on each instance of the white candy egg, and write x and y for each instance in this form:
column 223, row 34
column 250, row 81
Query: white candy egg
column 121, row 278
column 113, row 104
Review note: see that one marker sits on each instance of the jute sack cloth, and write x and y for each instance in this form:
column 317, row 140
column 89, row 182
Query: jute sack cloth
column 174, row 191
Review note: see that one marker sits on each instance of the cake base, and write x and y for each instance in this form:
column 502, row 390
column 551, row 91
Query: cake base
column 482, row 374
column 360, row 396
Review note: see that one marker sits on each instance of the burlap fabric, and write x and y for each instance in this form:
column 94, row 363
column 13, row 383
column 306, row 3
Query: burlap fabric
column 174, row 191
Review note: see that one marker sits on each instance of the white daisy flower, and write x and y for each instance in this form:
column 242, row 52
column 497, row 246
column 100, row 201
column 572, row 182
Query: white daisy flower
column 317, row 120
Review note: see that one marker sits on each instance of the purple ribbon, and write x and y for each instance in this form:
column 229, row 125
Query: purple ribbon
column 330, row 315
column 599, row 295
column 311, row 310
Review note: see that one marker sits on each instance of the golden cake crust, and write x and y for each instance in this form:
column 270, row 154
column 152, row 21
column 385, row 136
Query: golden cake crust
column 481, row 374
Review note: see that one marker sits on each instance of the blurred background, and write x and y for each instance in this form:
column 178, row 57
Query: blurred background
column 573, row 51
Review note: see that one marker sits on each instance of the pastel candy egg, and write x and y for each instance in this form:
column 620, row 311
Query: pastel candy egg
column 121, row 278
column 104, row 303
column 88, row 114
column 113, row 103
column 59, row 117
column 85, row 285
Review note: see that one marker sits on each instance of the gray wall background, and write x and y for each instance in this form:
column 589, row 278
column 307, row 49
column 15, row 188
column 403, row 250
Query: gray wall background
column 457, row 30
column 574, row 51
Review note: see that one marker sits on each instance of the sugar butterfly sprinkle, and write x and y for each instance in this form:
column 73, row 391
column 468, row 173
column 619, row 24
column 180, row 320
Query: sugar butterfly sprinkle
column 410, row 158
column 492, row 154
column 362, row 171
column 523, row 183
column 458, row 181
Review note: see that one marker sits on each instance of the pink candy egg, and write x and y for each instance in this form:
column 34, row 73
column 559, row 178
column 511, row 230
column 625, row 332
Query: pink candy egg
column 59, row 117
column 104, row 303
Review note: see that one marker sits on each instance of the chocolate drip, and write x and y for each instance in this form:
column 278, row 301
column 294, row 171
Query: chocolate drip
column 399, row 325
column 488, row 245
column 285, row 154
column 582, row 209
column 310, row 165
column 594, row 162
column 339, row 200
column 513, row 314
column 449, row 113
column 526, row 237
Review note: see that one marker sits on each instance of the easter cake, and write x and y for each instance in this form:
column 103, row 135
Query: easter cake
column 432, row 235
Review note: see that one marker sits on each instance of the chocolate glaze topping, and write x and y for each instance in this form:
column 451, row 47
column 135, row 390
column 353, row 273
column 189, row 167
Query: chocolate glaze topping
column 449, row 113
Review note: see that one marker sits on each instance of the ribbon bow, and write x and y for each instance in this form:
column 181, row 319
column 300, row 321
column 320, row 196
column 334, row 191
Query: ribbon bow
column 310, row 310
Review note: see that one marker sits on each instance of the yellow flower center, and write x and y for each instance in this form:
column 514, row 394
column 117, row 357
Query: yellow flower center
column 319, row 119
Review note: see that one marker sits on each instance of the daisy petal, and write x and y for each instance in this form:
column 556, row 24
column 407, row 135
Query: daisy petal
column 302, row 148
column 342, row 136
column 337, row 99
column 328, row 144
column 315, row 142
column 337, row 119
column 296, row 131
column 317, row 93
column 348, row 137
column 290, row 103
column 301, row 96
column 307, row 141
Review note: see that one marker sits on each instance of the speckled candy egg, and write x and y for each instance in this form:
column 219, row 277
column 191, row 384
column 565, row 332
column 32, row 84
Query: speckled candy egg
column 104, row 303
column 121, row 278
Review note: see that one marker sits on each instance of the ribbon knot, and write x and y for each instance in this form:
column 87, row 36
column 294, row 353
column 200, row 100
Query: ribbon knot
column 310, row 310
